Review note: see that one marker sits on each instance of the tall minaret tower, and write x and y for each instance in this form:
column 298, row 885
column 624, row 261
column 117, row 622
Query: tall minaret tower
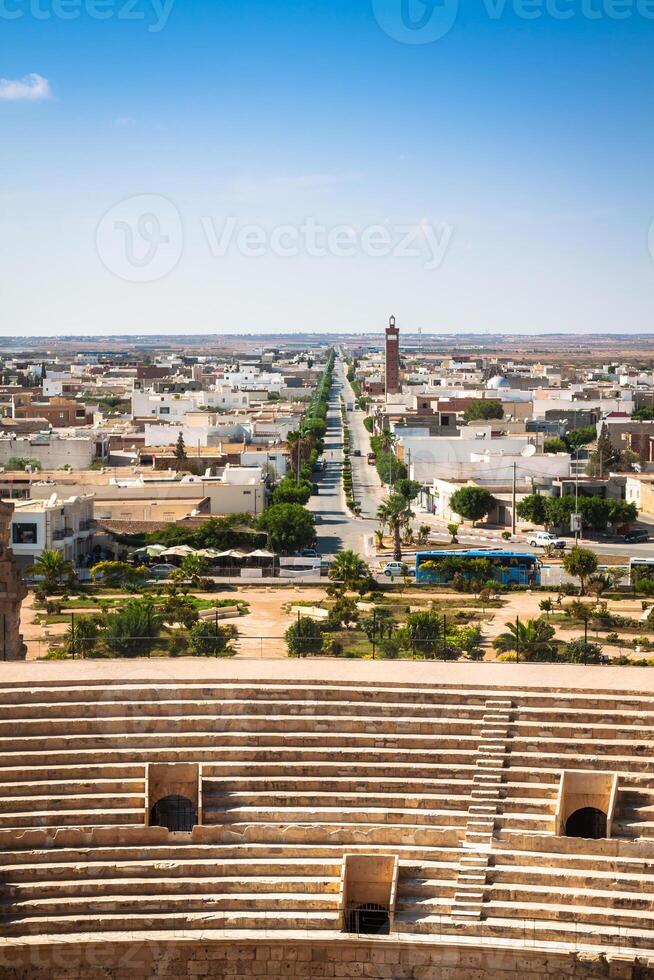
column 392, row 374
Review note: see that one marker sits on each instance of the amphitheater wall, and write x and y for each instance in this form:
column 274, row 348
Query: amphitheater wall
column 377, row 960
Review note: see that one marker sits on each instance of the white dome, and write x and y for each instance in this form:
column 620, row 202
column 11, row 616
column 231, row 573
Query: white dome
column 497, row 382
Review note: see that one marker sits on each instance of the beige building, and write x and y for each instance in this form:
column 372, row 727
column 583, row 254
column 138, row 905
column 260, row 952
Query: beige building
column 235, row 490
column 52, row 524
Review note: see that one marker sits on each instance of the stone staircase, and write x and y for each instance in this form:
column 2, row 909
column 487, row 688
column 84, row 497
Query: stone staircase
column 459, row 782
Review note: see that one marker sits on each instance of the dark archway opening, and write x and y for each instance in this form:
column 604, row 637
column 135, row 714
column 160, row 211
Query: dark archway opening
column 588, row 822
column 370, row 918
column 177, row 813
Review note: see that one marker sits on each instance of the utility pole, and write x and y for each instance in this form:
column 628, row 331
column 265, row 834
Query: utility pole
column 577, row 495
column 513, row 498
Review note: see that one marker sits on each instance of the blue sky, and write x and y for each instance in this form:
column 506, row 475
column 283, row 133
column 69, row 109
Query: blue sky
column 159, row 169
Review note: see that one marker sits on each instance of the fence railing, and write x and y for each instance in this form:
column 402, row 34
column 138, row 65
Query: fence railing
column 184, row 643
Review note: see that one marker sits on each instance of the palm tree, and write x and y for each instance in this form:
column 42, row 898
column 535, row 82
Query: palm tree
column 531, row 640
column 52, row 567
column 598, row 584
column 351, row 570
column 396, row 512
column 195, row 568
column 386, row 441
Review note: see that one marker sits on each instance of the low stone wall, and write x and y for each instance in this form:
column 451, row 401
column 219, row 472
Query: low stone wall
column 377, row 960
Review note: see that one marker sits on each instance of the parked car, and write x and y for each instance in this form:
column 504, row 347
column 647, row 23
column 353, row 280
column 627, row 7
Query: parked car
column 372, row 458
column 393, row 569
column 636, row 536
column 356, row 452
column 544, row 539
column 309, row 553
column 164, row 570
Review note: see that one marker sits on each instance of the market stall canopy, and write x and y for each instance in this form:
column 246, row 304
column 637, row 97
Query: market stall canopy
column 151, row 550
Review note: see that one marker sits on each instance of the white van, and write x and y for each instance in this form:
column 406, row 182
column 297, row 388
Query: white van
column 543, row 539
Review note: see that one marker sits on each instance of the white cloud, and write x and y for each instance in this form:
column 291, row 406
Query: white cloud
column 124, row 122
column 30, row 88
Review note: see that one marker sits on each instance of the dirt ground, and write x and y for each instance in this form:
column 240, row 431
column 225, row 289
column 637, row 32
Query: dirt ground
column 261, row 632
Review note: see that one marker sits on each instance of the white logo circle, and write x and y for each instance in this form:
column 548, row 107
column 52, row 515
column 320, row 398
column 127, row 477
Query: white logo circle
column 416, row 21
column 141, row 238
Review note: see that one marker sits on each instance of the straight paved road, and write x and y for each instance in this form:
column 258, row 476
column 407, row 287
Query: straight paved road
column 337, row 529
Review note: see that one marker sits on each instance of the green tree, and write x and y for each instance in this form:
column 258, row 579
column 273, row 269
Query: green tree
column 580, row 562
column 467, row 639
column 483, row 409
column 343, row 613
column 453, row 530
column 379, row 625
column 555, row 446
column 206, row 639
column 180, row 449
column 352, row 571
column 53, row 568
column 291, row 492
column 409, row 489
column 22, row 462
column 423, row 534
column 577, row 438
column 290, row 527
column 389, row 468
column 133, row 629
column 621, row 512
column 472, row 503
column 644, row 414
column 546, row 606
column 605, row 456
column 558, row 511
column 532, row 508
column 304, row 637
column 531, row 639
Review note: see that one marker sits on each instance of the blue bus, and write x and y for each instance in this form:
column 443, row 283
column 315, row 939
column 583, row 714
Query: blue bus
column 507, row 567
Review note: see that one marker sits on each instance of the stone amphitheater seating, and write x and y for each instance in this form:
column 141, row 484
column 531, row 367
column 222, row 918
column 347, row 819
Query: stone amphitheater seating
column 460, row 783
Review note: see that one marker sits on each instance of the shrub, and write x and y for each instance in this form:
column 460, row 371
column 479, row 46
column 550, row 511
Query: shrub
column 304, row 637
column 579, row 652
column 206, row 639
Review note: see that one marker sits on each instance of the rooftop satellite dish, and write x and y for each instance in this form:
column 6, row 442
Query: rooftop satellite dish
column 529, row 450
